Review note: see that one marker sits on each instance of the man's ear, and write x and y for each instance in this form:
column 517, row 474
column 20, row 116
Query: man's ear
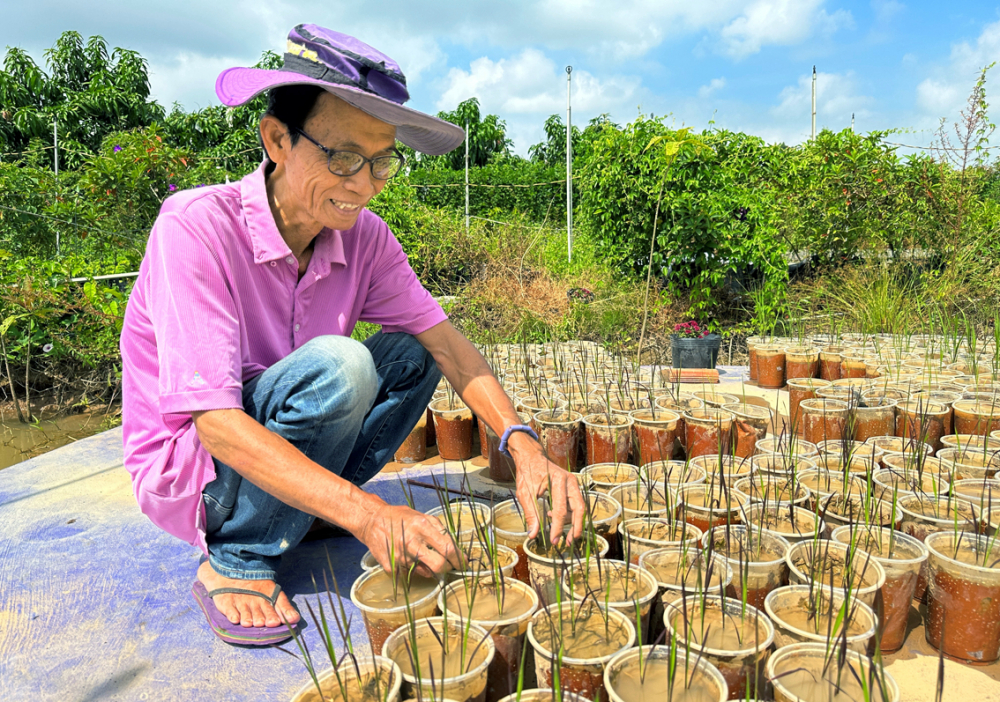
column 274, row 138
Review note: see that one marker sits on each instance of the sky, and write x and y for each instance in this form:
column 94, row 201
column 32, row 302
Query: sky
column 743, row 65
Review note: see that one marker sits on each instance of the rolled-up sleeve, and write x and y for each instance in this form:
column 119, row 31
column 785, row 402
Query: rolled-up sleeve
column 195, row 319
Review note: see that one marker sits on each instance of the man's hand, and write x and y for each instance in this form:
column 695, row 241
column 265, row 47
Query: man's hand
column 537, row 476
column 409, row 537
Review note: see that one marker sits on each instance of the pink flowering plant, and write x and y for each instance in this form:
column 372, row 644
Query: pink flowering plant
column 690, row 330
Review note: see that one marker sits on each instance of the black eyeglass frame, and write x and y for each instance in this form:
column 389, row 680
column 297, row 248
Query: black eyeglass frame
column 397, row 154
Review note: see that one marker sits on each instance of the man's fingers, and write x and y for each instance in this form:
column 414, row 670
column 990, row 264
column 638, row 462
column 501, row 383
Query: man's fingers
column 558, row 513
column 577, row 505
column 529, row 507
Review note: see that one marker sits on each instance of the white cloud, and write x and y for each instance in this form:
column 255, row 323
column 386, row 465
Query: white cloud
column 837, row 99
column 779, row 22
column 943, row 94
column 886, row 10
column 715, row 85
column 526, row 88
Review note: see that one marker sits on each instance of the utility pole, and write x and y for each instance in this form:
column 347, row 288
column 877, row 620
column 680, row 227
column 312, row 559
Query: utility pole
column 466, row 176
column 55, row 149
column 852, row 121
column 814, row 105
column 569, row 165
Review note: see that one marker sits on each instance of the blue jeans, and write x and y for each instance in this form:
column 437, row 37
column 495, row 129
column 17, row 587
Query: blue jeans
column 347, row 406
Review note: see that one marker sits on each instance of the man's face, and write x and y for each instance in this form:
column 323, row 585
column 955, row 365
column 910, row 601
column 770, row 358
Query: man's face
column 336, row 201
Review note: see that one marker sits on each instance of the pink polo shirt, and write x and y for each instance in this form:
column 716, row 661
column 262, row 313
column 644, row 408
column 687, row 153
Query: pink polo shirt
column 217, row 302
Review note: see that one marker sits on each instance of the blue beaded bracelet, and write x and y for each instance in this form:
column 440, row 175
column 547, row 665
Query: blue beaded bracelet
column 510, row 430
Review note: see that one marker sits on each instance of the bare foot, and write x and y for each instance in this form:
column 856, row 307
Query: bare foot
column 247, row 609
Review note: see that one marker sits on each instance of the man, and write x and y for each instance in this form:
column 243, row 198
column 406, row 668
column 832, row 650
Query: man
column 248, row 410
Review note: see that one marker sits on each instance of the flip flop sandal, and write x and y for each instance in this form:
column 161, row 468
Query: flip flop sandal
column 236, row 633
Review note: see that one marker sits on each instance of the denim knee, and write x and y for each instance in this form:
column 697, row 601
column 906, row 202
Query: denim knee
column 352, row 365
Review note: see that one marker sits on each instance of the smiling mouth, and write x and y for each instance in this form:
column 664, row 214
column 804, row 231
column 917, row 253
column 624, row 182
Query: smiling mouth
column 345, row 206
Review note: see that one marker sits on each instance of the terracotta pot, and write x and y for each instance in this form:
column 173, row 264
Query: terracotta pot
column 414, row 446
column 453, row 427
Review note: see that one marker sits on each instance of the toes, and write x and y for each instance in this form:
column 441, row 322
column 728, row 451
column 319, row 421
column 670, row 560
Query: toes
column 285, row 609
column 246, row 614
column 257, row 611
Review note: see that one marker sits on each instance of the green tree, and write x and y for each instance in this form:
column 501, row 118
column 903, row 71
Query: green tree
column 89, row 90
column 487, row 137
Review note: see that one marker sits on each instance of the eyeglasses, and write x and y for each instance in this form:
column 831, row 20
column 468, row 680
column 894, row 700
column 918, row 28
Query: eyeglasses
column 347, row 163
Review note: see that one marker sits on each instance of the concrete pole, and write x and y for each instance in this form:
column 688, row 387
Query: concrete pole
column 466, row 176
column 852, row 121
column 814, row 105
column 55, row 149
column 569, row 165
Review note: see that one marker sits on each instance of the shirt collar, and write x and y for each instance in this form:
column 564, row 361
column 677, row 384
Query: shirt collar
column 266, row 240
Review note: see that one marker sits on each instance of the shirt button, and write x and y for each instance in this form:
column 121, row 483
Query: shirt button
column 297, row 327
column 289, row 260
column 273, row 264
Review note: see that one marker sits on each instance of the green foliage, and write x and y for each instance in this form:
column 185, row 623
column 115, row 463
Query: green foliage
column 487, row 138
column 718, row 213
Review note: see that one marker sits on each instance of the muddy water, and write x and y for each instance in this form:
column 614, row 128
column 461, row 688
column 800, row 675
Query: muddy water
column 380, row 593
column 658, row 683
column 446, row 661
column 19, row 442
column 489, row 603
column 588, row 635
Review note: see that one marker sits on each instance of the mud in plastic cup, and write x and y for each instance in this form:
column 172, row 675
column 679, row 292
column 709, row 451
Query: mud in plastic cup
column 468, row 686
column 465, row 520
column 608, row 437
column 888, row 483
column 984, row 493
column 707, row 506
column 756, row 557
column 728, row 468
column 546, row 565
column 559, row 435
column 921, row 420
column 771, row 366
column 923, row 516
column 508, row 626
column 801, row 362
column 453, row 429
column 797, row 670
column 708, row 432
column 643, row 534
column 876, row 418
column 673, row 474
column 414, row 446
column 683, row 402
column 824, row 420
column 550, row 632
column 789, row 446
column 829, row 362
column 644, row 673
column 604, row 477
column 970, row 463
column 805, row 615
column 800, row 389
column 738, row 649
column 384, row 611
column 963, row 597
column 902, row 557
column 793, row 524
column 510, row 530
column 751, row 424
column 644, row 499
column 655, row 434
column 816, row 562
column 613, row 584
column 382, row 673
column 977, row 417
column 774, row 491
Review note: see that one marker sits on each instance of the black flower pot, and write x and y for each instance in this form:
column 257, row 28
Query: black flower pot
column 695, row 353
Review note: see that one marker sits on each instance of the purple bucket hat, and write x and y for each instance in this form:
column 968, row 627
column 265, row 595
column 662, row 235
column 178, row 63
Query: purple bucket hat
column 353, row 71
